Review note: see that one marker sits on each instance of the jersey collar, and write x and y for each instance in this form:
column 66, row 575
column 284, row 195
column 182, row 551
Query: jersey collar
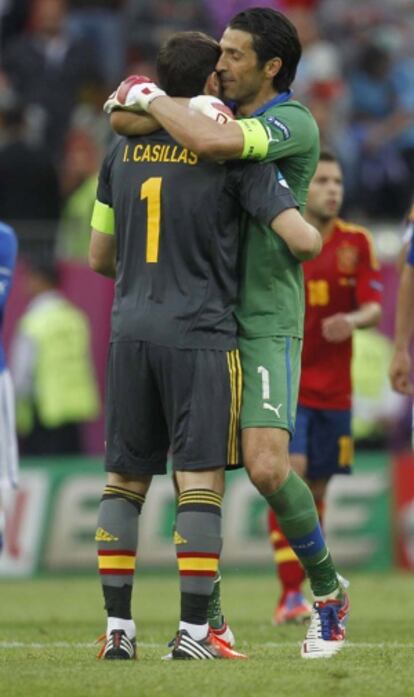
column 282, row 97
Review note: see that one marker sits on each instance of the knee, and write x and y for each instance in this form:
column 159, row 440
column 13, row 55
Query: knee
column 139, row 484
column 267, row 472
column 115, row 479
column 266, row 457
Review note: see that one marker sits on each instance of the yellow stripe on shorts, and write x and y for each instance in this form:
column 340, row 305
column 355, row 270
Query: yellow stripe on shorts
column 235, row 375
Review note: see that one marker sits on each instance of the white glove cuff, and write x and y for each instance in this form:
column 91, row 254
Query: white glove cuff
column 137, row 96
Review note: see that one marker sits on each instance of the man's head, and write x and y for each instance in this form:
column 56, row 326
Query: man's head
column 260, row 52
column 40, row 277
column 185, row 62
column 326, row 190
column 48, row 17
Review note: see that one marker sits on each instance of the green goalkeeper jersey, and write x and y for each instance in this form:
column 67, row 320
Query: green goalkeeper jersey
column 271, row 300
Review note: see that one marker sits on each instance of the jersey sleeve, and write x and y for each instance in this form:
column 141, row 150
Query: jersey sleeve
column 287, row 131
column 8, row 255
column 103, row 218
column 368, row 281
column 261, row 190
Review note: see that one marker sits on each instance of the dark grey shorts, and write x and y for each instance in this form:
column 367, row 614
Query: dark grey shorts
column 182, row 401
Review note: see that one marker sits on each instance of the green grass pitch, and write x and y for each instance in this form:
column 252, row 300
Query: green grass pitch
column 47, row 629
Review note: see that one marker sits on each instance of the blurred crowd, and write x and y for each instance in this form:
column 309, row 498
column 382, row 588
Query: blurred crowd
column 60, row 58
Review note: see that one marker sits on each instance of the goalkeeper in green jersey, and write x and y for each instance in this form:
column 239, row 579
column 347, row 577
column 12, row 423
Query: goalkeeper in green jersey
column 260, row 51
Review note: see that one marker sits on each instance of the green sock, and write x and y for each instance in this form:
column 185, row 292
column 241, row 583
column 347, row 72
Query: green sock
column 215, row 613
column 298, row 518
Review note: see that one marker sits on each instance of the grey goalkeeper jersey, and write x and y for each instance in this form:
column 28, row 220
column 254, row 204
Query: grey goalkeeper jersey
column 177, row 237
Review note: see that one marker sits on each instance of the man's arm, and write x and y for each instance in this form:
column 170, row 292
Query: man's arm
column 137, row 123
column 340, row 326
column 129, row 123
column 102, row 253
column 197, row 132
column 400, row 368
column 368, row 293
column 303, row 240
column 102, row 245
column 23, row 354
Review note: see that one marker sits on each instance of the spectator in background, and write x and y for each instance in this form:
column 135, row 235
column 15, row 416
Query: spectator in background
column 408, row 232
column 321, row 59
column 400, row 371
column 320, row 83
column 79, row 182
column 328, row 100
column 376, row 409
column 52, row 369
column 151, row 22
column 222, row 12
column 102, row 23
column 51, row 70
column 382, row 123
column 8, row 445
column 29, row 186
column 13, row 17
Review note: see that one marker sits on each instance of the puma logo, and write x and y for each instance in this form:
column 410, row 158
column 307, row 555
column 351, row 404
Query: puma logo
column 266, row 405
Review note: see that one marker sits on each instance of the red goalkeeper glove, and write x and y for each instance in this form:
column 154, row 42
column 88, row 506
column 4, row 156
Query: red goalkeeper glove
column 133, row 94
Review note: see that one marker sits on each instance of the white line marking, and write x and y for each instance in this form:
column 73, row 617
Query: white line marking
column 146, row 645
column 348, row 645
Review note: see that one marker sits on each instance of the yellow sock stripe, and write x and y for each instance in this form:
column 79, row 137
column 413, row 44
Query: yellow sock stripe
column 115, row 490
column 200, row 497
column 124, row 492
column 201, row 492
column 208, row 502
column 275, row 536
column 116, row 562
column 197, row 564
column 205, row 493
column 284, row 555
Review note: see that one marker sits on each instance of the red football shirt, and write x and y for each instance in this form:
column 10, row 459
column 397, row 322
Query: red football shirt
column 344, row 276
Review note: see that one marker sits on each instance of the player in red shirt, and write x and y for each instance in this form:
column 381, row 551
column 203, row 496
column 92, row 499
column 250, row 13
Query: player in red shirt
column 343, row 293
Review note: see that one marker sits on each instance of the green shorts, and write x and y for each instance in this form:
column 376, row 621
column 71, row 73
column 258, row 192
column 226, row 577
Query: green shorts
column 271, row 373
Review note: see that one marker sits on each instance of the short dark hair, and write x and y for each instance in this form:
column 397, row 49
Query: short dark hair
column 185, row 61
column 326, row 155
column 45, row 269
column 273, row 35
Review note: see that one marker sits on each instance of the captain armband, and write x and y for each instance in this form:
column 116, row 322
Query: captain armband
column 256, row 139
column 103, row 219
